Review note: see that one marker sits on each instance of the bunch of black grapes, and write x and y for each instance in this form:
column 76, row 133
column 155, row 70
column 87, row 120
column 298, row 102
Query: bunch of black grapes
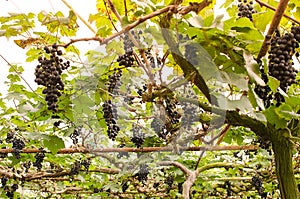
column 48, row 74
column 74, row 136
column 125, row 186
column 227, row 185
column 169, row 182
column 27, row 166
column 264, row 144
column 190, row 111
column 121, row 154
column 4, row 180
column 159, row 128
column 246, row 9
column 257, row 183
column 110, row 115
column 128, row 98
column 86, row 163
column 171, row 110
column 280, row 65
column 166, row 126
column 75, row 168
column 128, row 44
column 154, row 60
column 11, row 190
column 142, row 90
column 18, row 144
column 142, row 174
column 127, row 59
column 114, row 81
column 173, row 118
column 264, row 92
column 138, row 136
column 39, row 158
column 280, row 59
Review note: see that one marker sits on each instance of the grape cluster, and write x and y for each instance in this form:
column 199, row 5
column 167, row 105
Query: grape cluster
column 159, row 128
column 169, row 182
column 264, row 92
column 171, row 110
column 74, row 136
column 246, row 9
column 75, row 168
column 48, row 74
column 257, row 183
column 10, row 191
column 228, row 188
column 264, row 144
column 142, row 90
column 126, row 59
column 39, row 158
column 125, row 186
column 180, row 187
column 138, row 137
column 127, row 98
column 27, row 166
column 96, row 190
column 4, row 180
column 190, row 111
column 142, row 174
column 57, row 123
column 155, row 61
column 280, row 58
column 164, row 127
column 114, row 82
column 86, row 163
column 128, row 44
column 121, row 154
column 111, row 116
column 280, row 65
column 156, row 185
column 18, row 144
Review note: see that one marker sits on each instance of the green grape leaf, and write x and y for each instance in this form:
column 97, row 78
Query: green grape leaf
column 238, row 80
column 273, row 118
column 53, row 143
column 273, row 83
column 286, row 112
column 262, row 19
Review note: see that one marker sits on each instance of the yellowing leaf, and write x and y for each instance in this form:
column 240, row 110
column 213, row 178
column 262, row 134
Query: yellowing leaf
column 23, row 43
